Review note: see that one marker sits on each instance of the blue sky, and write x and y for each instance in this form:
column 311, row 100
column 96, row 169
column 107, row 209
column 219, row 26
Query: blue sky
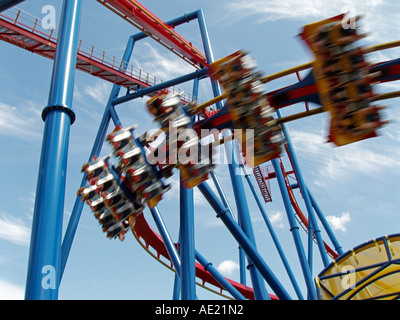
column 356, row 186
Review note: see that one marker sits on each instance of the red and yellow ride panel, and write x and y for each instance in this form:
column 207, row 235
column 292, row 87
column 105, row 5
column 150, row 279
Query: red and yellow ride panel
column 343, row 80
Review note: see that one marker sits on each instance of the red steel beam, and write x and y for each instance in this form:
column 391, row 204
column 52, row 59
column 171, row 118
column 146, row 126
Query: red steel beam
column 23, row 36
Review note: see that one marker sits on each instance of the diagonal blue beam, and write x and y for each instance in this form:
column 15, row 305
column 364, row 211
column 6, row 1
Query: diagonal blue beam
column 294, row 228
column 217, row 276
column 274, row 236
column 244, row 241
column 260, row 290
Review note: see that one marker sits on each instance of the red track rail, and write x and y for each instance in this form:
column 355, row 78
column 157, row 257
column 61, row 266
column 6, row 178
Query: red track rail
column 138, row 15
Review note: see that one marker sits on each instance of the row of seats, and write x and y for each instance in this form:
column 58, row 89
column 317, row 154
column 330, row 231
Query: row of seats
column 169, row 112
column 248, row 105
column 345, row 80
column 107, row 199
column 138, row 175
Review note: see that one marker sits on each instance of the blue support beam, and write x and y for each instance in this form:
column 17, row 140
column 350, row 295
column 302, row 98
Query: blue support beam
column 274, row 236
column 187, row 244
column 169, row 245
column 260, row 291
column 294, row 228
column 208, row 52
column 326, row 225
column 108, row 115
column 244, row 241
column 217, row 276
column 313, row 224
column 45, row 251
column 242, row 258
column 186, row 18
column 164, row 85
column 323, row 220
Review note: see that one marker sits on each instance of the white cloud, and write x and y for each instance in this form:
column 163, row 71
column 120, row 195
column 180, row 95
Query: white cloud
column 164, row 66
column 228, row 267
column 99, row 92
column 276, row 219
column 339, row 162
column 14, row 230
column 339, row 223
column 378, row 15
column 19, row 121
column 10, row 291
column 272, row 10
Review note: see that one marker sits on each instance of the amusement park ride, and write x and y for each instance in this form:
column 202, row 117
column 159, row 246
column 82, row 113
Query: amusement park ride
column 118, row 188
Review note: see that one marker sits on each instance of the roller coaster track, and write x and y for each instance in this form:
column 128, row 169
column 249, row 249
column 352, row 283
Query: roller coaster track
column 136, row 14
column 23, row 30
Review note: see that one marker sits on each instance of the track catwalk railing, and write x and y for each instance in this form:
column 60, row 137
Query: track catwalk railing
column 25, row 30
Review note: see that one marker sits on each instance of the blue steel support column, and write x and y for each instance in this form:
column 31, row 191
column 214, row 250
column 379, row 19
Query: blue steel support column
column 274, row 237
column 169, row 245
column 98, row 143
column 7, row 4
column 177, row 288
column 325, row 224
column 303, row 189
column 260, row 290
column 294, row 228
column 244, row 241
column 187, row 240
column 45, row 250
column 187, row 246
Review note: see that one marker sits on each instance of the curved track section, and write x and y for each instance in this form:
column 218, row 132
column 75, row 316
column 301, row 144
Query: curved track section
column 301, row 218
column 147, row 238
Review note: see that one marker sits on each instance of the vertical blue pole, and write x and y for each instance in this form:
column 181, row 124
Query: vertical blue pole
column 187, row 243
column 310, row 257
column 260, row 290
column 7, row 4
column 294, row 228
column 45, row 251
column 187, row 247
column 101, row 134
column 311, row 217
column 177, row 288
